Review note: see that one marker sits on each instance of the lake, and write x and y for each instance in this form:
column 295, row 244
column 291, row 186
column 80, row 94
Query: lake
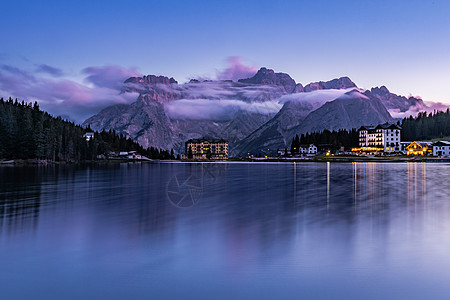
column 225, row 231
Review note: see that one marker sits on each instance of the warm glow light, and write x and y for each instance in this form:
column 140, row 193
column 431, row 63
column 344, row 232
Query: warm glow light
column 367, row 149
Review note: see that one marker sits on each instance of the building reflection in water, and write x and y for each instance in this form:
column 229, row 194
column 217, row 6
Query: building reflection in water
column 382, row 183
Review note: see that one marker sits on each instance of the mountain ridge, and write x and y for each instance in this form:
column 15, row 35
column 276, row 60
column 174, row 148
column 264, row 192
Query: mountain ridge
column 256, row 113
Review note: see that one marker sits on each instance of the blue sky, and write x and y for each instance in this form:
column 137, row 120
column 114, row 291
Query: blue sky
column 403, row 45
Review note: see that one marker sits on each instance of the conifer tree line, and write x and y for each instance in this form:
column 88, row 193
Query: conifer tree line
column 26, row 132
column 335, row 139
column 426, row 126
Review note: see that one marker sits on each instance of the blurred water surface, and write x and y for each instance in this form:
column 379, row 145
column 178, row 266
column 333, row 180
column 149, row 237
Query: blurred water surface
column 225, row 231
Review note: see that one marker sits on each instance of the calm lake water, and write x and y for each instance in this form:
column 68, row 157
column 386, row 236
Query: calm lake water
column 226, row 231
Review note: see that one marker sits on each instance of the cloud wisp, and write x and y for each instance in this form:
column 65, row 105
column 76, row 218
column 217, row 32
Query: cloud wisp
column 218, row 110
column 236, row 70
column 429, row 107
column 64, row 96
column 55, row 72
column 109, row 76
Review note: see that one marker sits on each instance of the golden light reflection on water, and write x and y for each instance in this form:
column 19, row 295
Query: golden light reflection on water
column 328, row 185
column 372, row 180
column 416, row 185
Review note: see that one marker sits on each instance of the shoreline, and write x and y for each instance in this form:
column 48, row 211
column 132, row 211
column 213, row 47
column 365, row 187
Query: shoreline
column 334, row 159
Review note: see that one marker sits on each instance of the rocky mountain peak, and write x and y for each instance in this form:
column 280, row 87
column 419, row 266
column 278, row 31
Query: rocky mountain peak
column 151, row 79
column 269, row 77
column 380, row 90
column 338, row 83
column 396, row 102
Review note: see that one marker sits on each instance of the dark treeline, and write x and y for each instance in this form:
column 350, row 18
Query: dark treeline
column 335, row 139
column 426, row 126
column 26, row 132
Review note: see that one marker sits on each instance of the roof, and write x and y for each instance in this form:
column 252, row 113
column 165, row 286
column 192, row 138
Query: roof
column 388, row 126
column 202, row 140
column 366, row 128
column 421, row 144
column 441, row 143
column 380, row 126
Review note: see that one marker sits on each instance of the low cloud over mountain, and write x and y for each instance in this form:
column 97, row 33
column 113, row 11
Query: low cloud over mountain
column 256, row 114
column 62, row 96
column 236, row 70
column 256, row 110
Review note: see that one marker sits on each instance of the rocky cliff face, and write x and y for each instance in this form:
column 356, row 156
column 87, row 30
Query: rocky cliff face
column 151, row 79
column 394, row 102
column 348, row 109
column 145, row 121
column 268, row 77
column 274, row 133
column 256, row 115
column 339, row 83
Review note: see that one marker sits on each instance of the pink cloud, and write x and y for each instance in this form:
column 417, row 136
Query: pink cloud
column 109, row 76
column 43, row 68
column 236, row 70
column 62, row 96
column 414, row 110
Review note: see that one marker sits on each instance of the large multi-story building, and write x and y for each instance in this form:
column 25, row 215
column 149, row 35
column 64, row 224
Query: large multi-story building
column 207, row 149
column 380, row 138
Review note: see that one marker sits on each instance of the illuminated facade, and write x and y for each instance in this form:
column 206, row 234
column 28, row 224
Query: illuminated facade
column 207, row 149
column 419, row 148
column 382, row 138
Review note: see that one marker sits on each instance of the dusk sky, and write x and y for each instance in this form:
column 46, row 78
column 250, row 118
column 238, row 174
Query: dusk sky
column 77, row 52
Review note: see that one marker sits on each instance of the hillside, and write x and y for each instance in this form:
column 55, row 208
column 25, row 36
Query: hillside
column 26, row 132
column 256, row 114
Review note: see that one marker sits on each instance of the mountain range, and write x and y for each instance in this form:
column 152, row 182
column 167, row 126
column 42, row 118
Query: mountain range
column 256, row 115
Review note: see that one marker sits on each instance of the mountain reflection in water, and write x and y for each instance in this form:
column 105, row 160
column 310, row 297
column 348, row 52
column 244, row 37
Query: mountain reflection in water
column 225, row 230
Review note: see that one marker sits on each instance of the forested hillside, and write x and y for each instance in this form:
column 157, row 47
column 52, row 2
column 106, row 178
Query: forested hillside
column 26, row 132
column 335, row 139
column 426, row 126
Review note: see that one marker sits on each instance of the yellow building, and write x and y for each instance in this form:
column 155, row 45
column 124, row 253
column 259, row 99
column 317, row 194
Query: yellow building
column 207, row 149
column 419, row 148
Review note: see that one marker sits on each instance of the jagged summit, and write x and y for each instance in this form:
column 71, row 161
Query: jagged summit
column 151, row 79
column 396, row 102
column 338, row 83
column 257, row 114
column 269, row 77
column 380, row 90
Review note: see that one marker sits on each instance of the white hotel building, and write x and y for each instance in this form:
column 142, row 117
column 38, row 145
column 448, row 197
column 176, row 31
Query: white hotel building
column 381, row 138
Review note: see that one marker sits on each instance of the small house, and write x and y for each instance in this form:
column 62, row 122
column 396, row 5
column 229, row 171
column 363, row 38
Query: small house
column 134, row 155
column 284, row 152
column 308, row 150
column 89, row 136
column 441, row 148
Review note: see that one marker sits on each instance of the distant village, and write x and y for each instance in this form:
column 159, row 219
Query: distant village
column 44, row 138
column 374, row 141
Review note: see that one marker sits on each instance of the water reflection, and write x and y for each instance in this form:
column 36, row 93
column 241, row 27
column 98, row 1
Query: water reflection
column 281, row 228
column 237, row 193
column 20, row 191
